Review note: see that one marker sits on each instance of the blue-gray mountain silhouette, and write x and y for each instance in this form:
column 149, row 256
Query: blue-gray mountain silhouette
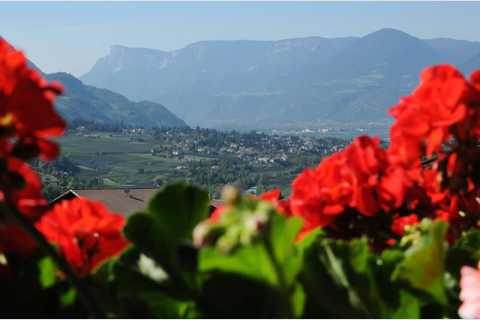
column 84, row 102
column 291, row 82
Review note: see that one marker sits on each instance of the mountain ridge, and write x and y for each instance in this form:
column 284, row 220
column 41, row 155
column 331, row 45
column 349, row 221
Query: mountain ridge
column 83, row 102
column 306, row 80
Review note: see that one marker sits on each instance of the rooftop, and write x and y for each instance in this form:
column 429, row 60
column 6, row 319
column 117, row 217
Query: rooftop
column 124, row 201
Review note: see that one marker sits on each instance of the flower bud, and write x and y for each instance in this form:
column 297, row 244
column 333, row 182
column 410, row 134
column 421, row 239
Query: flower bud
column 226, row 244
column 256, row 222
column 200, row 233
column 206, row 233
column 230, row 195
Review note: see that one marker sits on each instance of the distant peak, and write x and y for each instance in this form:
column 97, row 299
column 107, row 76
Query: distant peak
column 63, row 76
column 117, row 47
column 389, row 32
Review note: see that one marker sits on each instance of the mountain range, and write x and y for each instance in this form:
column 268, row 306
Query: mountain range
column 82, row 102
column 286, row 83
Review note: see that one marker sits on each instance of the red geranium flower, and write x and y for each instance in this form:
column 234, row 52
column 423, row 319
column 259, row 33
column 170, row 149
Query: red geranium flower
column 359, row 177
column 425, row 118
column 27, row 198
column 319, row 194
column 86, row 232
column 399, row 223
column 27, row 119
column 275, row 197
column 217, row 213
column 26, row 96
column 475, row 79
column 367, row 161
column 27, row 101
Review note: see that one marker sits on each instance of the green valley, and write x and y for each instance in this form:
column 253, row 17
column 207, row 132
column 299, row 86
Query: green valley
column 139, row 157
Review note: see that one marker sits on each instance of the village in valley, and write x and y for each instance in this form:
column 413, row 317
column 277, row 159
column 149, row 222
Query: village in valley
column 116, row 157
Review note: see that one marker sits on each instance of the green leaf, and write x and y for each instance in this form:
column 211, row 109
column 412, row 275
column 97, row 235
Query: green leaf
column 251, row 261
column 309, row 239
column 466, row 251
column 470, row 241
column 167, row 226
column 178, row 208
column 159, row 273
column 163, row 306
column 282, row 238
column 424, row 263
column 409, row 306
column 255, row 260
column 298, row 300
column 68, row 298
column 143, row 230
column 352, row 266
column 271, row 260
column 347, row 279
column 143, row 290
column 47, row 272
column 326, row 295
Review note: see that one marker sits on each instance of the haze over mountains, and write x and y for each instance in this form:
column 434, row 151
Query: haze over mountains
column 287, row 83
column 83, row 102
column 104, row 106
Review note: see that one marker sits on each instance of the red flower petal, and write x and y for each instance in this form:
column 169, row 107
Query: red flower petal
column 85, row 231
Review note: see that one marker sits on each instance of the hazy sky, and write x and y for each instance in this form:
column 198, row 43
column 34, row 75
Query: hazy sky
column 72, row 36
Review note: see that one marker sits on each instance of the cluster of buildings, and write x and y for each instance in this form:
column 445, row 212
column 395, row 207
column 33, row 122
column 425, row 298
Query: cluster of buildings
column 256, row 148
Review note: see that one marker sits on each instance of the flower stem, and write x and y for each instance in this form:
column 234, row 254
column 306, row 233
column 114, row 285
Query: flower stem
column 282, row 282
column 278, row 271
column 84, row 294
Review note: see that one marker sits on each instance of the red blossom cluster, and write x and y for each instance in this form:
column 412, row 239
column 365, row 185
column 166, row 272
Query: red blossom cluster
column 85, row 232
column 366, row 189
column 439, row 120
column 27, row 120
